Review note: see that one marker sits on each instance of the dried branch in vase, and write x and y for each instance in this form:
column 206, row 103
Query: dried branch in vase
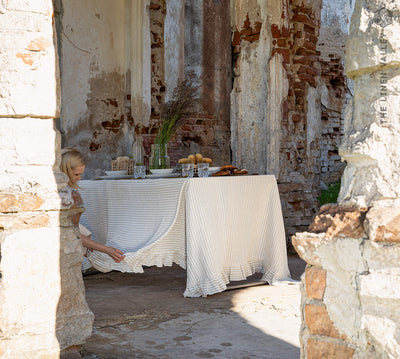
column 173, row 113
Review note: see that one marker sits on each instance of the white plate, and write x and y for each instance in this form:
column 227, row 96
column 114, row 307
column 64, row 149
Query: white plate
column 114, row 177
column 161, row 171
column 167, row 175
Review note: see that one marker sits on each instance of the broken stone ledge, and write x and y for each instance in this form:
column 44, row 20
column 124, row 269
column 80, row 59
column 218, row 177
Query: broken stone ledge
column 335, row 221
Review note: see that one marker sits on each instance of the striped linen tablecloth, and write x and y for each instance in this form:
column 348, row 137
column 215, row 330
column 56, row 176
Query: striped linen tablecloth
column 221, row 229
column 234, row 228
column 145, row 219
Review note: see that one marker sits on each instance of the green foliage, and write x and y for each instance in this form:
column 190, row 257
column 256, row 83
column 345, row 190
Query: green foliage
column 330, row 195
column 172, row 113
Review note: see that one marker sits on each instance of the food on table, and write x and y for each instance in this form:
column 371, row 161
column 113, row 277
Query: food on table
column 198, row 158
column 221, row 173
column 230, row 170
column 228, row 167
column 192, row 159
column 123, row 158
column 240, row 172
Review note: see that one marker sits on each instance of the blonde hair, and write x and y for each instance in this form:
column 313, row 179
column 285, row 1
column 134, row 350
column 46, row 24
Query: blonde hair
column 71, row 158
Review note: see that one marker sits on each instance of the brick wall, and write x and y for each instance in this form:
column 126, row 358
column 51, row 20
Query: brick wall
column 207, row 131
column 332, row 117
column 322, row 338
column 348, row 297
column 299, row 176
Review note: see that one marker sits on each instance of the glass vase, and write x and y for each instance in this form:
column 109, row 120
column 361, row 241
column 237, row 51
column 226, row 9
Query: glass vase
column 159, row 157
column 138, row 151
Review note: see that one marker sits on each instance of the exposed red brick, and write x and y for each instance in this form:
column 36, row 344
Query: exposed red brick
column 281, row 42
column 154, row 6
column 305, row 20
column 315, row 282
column 246, row 23
column 276, row 33
column 236, row 38
column 94, row 146
column 284, row 53
column 309, row 79
column 252, row 38
column 318, row 321
column 318, row 349
column 113, row 125
column 296, row 118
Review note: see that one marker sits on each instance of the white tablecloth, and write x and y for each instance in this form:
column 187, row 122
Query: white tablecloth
column 234, row 227
column 143, row 218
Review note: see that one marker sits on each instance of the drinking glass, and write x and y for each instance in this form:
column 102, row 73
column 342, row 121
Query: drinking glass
column 202, row 169
column 187, row 170
column 139, row 172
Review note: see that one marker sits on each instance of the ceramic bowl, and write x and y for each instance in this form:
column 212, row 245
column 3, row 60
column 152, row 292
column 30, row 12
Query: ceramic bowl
column 162, row 171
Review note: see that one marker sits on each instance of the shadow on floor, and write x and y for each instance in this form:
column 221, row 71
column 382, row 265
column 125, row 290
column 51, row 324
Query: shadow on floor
column 146, row 316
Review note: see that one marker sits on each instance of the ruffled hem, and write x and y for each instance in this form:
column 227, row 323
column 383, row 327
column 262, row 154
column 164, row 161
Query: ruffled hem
column 216, row 284
column 134, row 263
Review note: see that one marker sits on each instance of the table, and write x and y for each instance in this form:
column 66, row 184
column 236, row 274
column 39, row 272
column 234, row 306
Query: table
column 220, row 229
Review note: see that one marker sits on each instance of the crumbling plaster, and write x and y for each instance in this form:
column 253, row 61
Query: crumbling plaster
column 94, row 59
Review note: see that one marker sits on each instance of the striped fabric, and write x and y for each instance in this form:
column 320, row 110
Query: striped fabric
column 234, row 228
column 145, row 219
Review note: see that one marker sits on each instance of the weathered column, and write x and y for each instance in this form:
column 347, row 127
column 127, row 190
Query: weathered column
column 372, row 126
column 350, row 295
column 42, row 301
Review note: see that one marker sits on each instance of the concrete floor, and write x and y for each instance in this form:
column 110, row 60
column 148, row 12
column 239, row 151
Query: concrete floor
column 146, row 316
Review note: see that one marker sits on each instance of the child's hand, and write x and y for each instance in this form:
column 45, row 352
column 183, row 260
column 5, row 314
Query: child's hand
column 115, row 254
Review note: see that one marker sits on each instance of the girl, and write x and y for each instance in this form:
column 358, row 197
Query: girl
column 73, row 165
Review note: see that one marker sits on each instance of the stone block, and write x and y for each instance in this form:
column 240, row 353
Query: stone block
column 318, row 349
column 381, row 284
column 16, row 221
column 23, row 202
column 383, row 224
column 318, row 321
column 306, row 245
column 19, row 138
column 339, row 221
column 364, row 49
column 381, row 255
column 315, row 282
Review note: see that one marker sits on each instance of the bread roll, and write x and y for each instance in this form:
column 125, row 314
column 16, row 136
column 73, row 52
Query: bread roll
column 199, row 158
column 207, row 160
column 191, row 159
column 183, row 160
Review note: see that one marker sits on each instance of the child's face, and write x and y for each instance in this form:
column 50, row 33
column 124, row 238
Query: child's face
column 76, row 174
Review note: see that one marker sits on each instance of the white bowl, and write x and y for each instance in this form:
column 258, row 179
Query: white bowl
column 162, row 171
column 116, row 173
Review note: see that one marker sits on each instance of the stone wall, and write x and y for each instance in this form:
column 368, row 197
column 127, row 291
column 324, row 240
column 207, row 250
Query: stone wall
column 335, row 87
column 42, row 301
column 350, row 298
column 349, row 289
column 276, row 112
column 206, row 46
column 95, row 60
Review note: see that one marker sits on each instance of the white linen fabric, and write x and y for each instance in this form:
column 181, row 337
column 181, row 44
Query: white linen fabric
column 145, row 219
column 234, row 228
